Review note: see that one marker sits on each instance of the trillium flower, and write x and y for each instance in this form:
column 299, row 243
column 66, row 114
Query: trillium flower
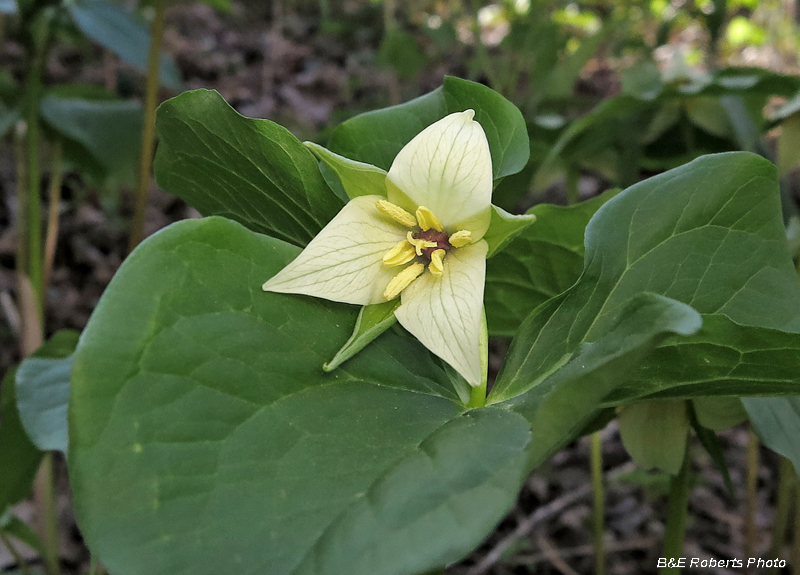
column 421, row 242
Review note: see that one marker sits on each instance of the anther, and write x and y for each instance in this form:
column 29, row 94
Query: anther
column 436, row 267
column 402, row 280
column 460, row 239
column 427, row 220
column 397, row 213
column 400, row 254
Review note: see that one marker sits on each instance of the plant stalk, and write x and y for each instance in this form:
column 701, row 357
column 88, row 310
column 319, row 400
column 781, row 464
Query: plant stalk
column 571, row 184
column 149, row 127
column 783, row 507
column 795, row 559
column 45, row 495
column 753, row 462
column 56, row 179
column 676, row 515
column 477, row 395
column 599, row 504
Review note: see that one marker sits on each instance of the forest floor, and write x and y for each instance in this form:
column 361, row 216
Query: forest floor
column 308, row 81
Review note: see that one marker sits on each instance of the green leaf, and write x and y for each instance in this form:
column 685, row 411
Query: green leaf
column 110, row 131
column 19, row 458
column 376, row 137
column 724, row 358
column 357, row 178
column 564, row 401
column 252, row 171
column 654, row 433
column 43, row 391
column 205, row 437
column 372, row 321
column 544, row 261
column 709, row 234
column 776, row 421
column 122, row 31
column 504, row 227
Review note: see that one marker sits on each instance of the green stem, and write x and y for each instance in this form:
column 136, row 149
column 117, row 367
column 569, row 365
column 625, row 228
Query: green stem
column 599, row 504
column 149, row 127
column 796, row 542
column 477, row 395
column 23, row 565
column 44, row 489
column 783, row 506
column 571, row 184
column 34, row 72
column 676, row 515
column 753, row 462
column 54, row 201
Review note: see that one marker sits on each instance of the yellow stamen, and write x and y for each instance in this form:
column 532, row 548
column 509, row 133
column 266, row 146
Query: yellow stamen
column 460, row 239
column 427, row 220
column 402, row 280
column 420, row 245
column 436, row 267
column 397, row 213
column 400, row 254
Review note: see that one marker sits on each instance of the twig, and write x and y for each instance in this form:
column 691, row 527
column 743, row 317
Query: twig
column 549, row 551
column 543, row 513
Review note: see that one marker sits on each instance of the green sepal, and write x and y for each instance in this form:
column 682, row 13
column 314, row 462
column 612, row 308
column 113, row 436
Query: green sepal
column 372, row 321
column 504, row 227
column 719, row 412
column 357, row 178
column 710, row 442
column 654, row 433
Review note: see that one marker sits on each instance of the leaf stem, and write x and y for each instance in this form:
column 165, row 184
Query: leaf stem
column 676, row 514
column 44, row 492
column 753, row 462
column 477, row 395
column 23, row 565
column 571, row 184
column 783, row 505
column 149, row 127
column 54, row 201
column 598, row 494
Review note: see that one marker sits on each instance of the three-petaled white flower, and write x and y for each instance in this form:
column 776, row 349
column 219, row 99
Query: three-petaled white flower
column 422, row 242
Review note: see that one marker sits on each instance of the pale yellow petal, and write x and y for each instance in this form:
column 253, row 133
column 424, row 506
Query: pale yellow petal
column 344, row 262
column 448, row 169
column 445, row 313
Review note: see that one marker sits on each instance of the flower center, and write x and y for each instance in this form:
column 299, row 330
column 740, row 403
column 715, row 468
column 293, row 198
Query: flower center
column 439, row 239
column 427, row 241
